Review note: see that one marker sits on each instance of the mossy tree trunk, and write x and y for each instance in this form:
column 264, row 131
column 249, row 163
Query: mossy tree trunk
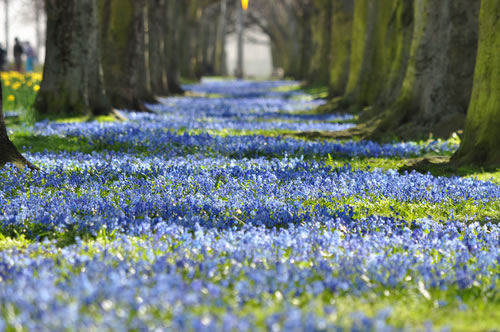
column 321, row 33
column 293, row 48
column 381, row 39
column 121, row 28
column 305, row 45
column 64, row 89
column 8, row 151
column 437, row 86
column 397, row 50
column 340, row 46
column 481, row 141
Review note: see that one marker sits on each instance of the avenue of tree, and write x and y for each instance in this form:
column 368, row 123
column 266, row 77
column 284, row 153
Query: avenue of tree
column 407, row 68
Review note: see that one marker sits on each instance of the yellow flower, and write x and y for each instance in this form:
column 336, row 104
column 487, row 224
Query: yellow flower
column 7, row 83
column 16, row 85
column 36, row 76
column 11, row 98
column 36, row 88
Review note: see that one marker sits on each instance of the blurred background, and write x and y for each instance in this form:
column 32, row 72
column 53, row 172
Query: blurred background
column 24, row 19
column 211, row 20
column 406, row 69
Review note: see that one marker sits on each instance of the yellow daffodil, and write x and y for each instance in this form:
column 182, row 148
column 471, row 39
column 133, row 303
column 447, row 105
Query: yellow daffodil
column 11, row 98
column 36, row 88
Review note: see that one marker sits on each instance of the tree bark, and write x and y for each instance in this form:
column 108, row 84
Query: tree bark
column 437, row 86
column 340, row 51
column 321, row 33
column 187, row 28
column 6, row 26
column 72, row 81
column 142, row 31
column 8, row 151
column 120, row 28
column 305, row 44
column 98, row 100
column 382, row 32
column 240, row 23
column 293, row 68
column 220, row 50
column 172, row 42
column 157, row 46
column 481, row 141
column 65, row 77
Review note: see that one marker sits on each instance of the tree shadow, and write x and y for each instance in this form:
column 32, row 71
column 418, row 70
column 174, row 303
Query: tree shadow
column 441, row 166
column 360, row 131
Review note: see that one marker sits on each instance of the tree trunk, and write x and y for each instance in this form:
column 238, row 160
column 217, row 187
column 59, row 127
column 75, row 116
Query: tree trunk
column 220, row 50
column 205, row 33
column 436, row 90
column 212, row 42
column 293, row 47
column 321, row 33
column 481, row 142
column 157, row 50
column 8, row 151
column 340, row 51
column 142, row 26
column 172, row 42
column 6, row 28
column 240, row 23
column 98, row 100
column 120, row 23
column 382, row 32
column 65, row 77
column 305, row 46
column 187, row 42
column 38, row 29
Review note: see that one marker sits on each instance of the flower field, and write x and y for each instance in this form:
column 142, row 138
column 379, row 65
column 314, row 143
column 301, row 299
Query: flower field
column 207, row 214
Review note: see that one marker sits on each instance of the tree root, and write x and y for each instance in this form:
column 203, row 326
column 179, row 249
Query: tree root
column 10, row 154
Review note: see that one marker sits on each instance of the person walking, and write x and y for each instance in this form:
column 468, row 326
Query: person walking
column 3, row 58
column 18, row 55
column 30, row 57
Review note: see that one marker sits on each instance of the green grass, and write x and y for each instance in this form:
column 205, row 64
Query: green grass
column 26, row 141
column 403, row 165
column 412, row 210
column 473, row 312
column 314, row 91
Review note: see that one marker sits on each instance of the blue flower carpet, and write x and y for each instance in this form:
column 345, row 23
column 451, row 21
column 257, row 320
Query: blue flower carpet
column 202, row 215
